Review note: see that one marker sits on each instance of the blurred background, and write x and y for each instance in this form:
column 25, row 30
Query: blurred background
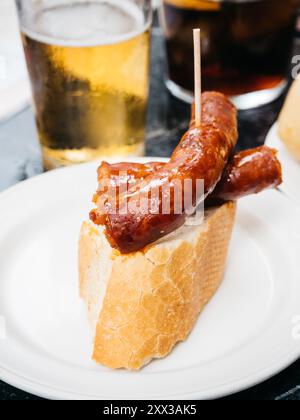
column 170, row 78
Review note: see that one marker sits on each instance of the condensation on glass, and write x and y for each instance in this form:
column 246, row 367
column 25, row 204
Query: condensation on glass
column 89, row 69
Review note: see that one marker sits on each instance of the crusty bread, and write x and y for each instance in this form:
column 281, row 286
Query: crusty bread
column 289, row 121
column 140, row 305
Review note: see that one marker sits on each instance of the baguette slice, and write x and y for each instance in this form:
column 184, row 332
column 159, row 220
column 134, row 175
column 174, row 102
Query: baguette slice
column 289, row 121
column 140, row 305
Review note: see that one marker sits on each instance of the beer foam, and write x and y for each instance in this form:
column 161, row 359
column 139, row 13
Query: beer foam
column 85, row 23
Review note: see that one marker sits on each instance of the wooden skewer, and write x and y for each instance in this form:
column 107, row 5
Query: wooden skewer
column 197, row 71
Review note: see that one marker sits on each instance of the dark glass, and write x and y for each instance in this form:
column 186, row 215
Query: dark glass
column 246, row 44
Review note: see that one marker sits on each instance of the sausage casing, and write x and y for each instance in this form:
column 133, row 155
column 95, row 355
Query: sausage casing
column 248, row 172
column 202, row 154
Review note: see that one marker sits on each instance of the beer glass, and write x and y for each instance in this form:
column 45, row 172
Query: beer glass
column 88, row 63
column 246, row 47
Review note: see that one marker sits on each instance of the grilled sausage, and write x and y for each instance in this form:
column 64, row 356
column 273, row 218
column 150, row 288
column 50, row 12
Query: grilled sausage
column 202, row 154
column 248, row 172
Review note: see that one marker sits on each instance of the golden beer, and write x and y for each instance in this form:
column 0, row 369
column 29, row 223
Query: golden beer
column 88, row 64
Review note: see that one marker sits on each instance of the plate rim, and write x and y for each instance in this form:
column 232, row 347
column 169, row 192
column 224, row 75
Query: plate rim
column 45, row 391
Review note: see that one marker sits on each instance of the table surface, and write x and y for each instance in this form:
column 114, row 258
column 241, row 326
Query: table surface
column 167, row 119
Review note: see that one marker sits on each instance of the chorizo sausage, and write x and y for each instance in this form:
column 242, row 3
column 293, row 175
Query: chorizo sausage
column 202, row 154
column 248, row 172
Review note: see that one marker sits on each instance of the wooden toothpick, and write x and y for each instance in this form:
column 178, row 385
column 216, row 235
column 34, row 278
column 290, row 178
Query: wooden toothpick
column 197, row 70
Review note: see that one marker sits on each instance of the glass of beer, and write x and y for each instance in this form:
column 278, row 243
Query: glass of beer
column 88, row 63
column 246, row 47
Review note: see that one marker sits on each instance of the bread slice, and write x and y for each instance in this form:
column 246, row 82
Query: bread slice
column 140, row 305
column 289, row 121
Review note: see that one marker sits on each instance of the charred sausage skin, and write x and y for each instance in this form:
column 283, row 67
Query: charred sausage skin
column 202, row 154
column 248, row 172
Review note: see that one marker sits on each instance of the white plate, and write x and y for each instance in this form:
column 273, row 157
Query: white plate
column 291, row 168
column 243, row 336
column 14, row 84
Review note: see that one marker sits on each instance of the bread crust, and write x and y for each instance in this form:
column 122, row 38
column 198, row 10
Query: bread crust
column 153, row 298
column 289, row 122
